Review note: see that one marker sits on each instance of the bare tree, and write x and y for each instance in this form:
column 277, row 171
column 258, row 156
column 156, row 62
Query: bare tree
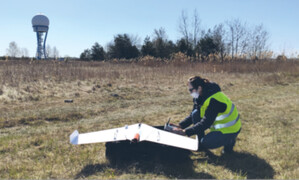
column 190, row 34
column 55, row 52
column 219, row 37
column 237, row 33
column 196, row 27
column 52, row 52
column 13, row 49
column 136, row 41
column 183, row 26
column 258, row 41
column 24, row 52
column 160, row 34
column 49, row 51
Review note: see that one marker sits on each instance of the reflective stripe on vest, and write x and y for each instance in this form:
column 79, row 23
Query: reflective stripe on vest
column 219, row 118
column 228, row 124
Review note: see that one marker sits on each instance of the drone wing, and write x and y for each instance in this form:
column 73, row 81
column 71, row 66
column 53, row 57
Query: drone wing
column 116, row 134
column 138, row 132
column 155, row 135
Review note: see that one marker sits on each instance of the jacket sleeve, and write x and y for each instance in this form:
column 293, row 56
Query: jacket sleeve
column 188, row 120
column 213, row 109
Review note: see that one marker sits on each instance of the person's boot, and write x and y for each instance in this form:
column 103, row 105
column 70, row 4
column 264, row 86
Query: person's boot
column 229, row 149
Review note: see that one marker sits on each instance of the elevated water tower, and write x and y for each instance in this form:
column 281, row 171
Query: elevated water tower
column 40, row 24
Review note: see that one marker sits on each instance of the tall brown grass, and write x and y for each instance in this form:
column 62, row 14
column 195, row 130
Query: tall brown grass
column 35, row 123
column 12, row 73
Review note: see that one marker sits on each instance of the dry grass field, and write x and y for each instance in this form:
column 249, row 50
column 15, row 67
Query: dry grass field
column 35, row 122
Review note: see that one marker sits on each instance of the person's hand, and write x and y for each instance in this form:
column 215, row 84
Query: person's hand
column 176, row 129
column 174, row 125
column 179, row 131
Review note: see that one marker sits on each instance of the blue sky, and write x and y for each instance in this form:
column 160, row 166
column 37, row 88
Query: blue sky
column 77, row 24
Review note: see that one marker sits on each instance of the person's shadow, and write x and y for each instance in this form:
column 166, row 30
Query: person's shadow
column 245, row 163
column 145, row 157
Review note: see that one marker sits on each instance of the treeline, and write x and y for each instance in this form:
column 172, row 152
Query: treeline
column 230, row 40
column 15, row 52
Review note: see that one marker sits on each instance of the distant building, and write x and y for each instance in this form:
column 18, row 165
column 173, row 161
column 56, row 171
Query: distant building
column 40, row 24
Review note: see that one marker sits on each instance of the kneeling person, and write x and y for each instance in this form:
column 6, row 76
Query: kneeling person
column 212, row 109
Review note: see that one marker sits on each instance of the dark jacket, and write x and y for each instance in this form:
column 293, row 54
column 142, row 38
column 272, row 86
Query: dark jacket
column 215, row 107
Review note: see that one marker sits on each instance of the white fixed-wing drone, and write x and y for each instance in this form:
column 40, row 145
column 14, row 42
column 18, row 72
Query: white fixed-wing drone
column 136, row 133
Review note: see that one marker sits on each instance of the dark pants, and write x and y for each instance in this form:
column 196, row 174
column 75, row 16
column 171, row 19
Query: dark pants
column 214, row 139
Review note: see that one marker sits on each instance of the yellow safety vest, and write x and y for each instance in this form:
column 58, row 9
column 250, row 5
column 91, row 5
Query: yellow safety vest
column 226, row 122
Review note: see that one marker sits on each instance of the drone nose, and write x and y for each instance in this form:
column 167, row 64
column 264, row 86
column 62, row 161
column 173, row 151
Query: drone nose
column 136, row 138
